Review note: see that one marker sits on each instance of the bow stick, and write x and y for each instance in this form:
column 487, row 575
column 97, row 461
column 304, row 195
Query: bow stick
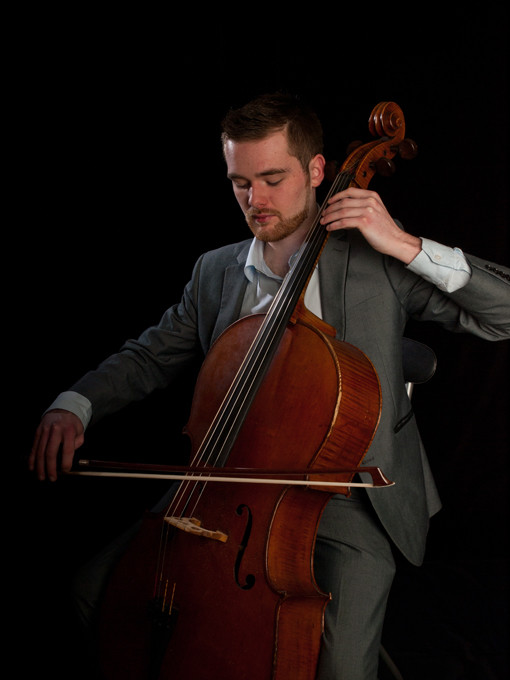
column 229, row 474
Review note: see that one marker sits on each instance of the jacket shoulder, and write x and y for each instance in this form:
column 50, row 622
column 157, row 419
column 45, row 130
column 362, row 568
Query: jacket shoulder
column 223, row 256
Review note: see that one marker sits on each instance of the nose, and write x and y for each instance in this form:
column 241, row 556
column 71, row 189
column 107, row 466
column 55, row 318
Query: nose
column 257, row 196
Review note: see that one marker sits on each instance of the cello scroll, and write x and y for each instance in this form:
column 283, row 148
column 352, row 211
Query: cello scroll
column 364, row 160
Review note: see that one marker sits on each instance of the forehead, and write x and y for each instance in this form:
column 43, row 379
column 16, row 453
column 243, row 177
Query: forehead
column 259, row 156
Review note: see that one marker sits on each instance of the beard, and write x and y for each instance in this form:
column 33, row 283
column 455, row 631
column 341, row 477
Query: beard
column 278, row 231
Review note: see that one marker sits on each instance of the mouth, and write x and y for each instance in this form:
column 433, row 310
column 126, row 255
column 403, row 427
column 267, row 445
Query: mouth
column 260, row 218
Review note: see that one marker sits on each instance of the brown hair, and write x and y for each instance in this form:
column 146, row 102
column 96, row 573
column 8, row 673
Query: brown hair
column 273, row 112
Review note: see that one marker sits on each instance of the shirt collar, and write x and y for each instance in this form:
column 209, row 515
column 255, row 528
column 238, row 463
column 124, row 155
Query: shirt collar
column 255, row 262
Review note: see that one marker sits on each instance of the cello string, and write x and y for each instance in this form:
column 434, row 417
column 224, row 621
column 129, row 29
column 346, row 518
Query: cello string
column 221, row 429
column 213, row 444
column 209, row 447
column 233, row 407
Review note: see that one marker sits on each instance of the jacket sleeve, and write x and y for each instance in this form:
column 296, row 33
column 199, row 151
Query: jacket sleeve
column 147, row 363
column 485, row 300
column 481, row 307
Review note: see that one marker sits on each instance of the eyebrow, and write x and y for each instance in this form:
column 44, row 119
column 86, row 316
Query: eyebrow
column 264, row 173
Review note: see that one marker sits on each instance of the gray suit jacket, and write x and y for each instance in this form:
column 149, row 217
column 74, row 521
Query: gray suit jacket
column 367, row 298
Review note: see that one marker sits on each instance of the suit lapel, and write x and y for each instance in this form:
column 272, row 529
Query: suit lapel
column 332, row 275
column 234, row 287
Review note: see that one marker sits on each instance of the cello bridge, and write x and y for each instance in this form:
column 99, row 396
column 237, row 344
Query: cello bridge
column 192, row 525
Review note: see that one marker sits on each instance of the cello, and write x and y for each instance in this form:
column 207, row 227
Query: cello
column 221, row 584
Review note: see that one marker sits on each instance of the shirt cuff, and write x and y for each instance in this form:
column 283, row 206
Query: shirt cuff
column 76, row 403
column 445, row 267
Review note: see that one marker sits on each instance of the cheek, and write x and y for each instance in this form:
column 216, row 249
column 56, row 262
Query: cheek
column 301, row 196
column 241, row 198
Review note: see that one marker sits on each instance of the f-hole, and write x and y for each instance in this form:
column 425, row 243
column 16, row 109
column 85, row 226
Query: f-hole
column 250, row 578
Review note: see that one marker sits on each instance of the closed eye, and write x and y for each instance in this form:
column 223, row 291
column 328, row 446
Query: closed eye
column 246, row 185
column 241, row 182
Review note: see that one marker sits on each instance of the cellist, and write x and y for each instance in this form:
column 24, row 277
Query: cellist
column 371, row 279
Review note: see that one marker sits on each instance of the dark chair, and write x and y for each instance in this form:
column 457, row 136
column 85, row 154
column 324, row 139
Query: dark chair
column 419, row 362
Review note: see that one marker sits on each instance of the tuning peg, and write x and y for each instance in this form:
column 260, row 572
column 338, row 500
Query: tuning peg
column 407, row 149
column 384, row 166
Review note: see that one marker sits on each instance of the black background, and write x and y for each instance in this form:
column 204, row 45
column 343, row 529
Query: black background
column 117, row 185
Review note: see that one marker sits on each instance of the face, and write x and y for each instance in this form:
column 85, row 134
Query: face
column 275, row 193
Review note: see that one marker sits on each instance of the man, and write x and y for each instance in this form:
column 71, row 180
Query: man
column 372, row 277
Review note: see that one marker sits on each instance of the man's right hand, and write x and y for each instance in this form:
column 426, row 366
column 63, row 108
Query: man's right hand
column 58, row 430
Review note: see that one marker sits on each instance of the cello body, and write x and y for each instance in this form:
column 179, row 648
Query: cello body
column 245, row 605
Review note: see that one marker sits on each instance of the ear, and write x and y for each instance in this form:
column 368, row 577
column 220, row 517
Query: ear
column 316, row 169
